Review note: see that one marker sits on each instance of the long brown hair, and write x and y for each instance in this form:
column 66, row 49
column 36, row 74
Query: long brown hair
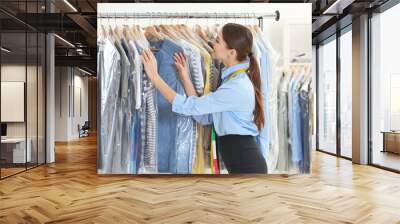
column 239, row 37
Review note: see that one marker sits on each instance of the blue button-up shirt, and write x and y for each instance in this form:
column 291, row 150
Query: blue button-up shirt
column 230, row 107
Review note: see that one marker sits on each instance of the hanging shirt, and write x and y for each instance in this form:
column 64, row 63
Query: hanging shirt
column 265, row 84
column 230, row 107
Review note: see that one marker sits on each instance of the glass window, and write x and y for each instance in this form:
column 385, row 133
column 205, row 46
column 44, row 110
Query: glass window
column 41, row 98
column 385, row 84
column 22, row 91
column 31, row 101
column 346, row 94
column 327, row 97
column 15, row 151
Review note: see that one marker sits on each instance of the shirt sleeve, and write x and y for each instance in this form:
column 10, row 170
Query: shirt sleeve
column 203, row 119
column 225, row 98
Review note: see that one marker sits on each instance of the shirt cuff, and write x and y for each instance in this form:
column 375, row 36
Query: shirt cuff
column 177, row 103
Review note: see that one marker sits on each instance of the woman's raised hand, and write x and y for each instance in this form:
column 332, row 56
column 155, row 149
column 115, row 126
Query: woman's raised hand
column 150, row 64
column 181, row 66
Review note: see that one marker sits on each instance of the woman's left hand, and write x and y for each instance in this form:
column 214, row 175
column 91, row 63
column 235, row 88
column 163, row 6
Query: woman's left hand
column 181, row 66
column 150, row 64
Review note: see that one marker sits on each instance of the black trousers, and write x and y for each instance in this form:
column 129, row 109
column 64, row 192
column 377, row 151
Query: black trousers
column 241, row 154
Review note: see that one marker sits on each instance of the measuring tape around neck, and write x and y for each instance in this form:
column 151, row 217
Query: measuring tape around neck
column 236, row 73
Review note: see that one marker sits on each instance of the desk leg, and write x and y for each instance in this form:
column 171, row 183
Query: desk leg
column 384, row 143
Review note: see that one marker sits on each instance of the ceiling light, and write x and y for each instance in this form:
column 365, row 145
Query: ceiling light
column 5, row 50
column 84, row 71
column 65, row 41
column 338, row 6
column 70, row 5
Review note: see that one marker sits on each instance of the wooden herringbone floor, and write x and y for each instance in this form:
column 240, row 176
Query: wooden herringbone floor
column 70, row 191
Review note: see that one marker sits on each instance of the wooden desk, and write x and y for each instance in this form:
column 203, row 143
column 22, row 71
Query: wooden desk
column 391, row 141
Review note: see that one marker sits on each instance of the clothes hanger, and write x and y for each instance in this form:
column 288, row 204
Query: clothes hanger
column 109, row 31
column 212, row 32
column 117, row 32
column 167, row 30
column 161, row 29
column 151, row 32
column 121, row 28
column 133, row 30
column 180, row 31
column 292, row 69
column 201, row 33
column 179, row 28
column 103, row 32
column 185, row 31
column 300, row 69
column 173, row 29
column 198, row 39
column 252, row 30
column 127, row 33
column 308, row 71
column 252, row 26
column 286, row 70
column 257, row 28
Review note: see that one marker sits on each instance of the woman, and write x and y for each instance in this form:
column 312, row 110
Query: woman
column 235, row 108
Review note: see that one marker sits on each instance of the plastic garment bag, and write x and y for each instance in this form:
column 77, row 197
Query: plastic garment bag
column 110, row 81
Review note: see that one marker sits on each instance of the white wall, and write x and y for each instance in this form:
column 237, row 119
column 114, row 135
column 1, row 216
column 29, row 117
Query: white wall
column 12, row 73
column 61, row 103
column 70, row 83
column 80, row 84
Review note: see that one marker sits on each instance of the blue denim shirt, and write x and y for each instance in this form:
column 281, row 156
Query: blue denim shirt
column 230, row 107
column 175, row 132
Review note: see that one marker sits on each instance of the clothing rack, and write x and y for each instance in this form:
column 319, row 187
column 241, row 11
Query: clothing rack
column 180, row 15
column 120, row 17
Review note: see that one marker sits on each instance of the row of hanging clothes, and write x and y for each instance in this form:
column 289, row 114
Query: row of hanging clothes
column 139, row 132
column 294, row 116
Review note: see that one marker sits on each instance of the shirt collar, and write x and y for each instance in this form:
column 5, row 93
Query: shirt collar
column 227, row 71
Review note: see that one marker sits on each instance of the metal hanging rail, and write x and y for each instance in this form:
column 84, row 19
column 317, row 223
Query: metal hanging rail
column 155, row 15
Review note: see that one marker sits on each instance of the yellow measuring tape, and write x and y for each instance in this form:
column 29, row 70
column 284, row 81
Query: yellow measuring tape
column 236, row 73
